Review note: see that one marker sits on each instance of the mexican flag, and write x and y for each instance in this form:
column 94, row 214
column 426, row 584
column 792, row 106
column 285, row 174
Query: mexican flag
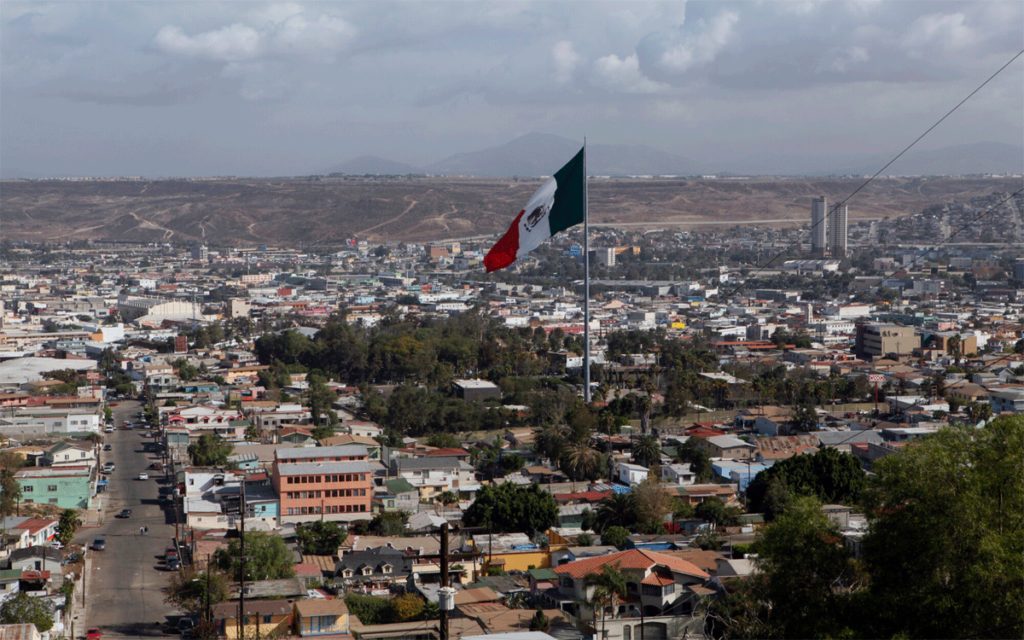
column 557, row 205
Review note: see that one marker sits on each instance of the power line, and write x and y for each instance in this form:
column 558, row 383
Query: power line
column 877, row 173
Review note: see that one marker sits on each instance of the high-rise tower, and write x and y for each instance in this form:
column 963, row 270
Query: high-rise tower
column 819, row 226
column 837, row 232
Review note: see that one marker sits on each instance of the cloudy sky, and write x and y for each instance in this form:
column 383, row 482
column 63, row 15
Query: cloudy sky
column 244, row 88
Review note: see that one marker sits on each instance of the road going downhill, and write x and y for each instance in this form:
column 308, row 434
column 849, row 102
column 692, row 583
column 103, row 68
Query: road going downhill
column 124, row 593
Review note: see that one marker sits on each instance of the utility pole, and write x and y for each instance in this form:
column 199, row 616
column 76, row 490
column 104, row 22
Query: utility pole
column 444, row 578
column 241, row 578
column 207, row 616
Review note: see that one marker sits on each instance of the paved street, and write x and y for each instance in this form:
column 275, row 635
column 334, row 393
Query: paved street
column 124, row 594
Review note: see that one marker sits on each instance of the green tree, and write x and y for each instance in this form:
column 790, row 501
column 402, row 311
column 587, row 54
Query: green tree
column 646, row 450
column 609, row 586
column 804, row 417
column 580, row 461
column 10, row 489
column 696, row 455
column 188, row 589
column 540, row 622
column 513, row 508
column 945, row 544
column 108, row 414
column 443, row 440
column 389, row 524
column 267, row 558
column 615, row 536
column 584, row 540
column 321, row 397
column 713, row 510
column 210, row 450
column 321, row 538
column 25, row 609
column 804, row 579
column 617, row 510
column 511, row 463
column 67, row 526
column 829, row 475
column 370, row 610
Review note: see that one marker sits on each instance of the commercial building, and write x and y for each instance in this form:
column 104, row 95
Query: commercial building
column 329, row 483
column 878, row 340
column 819, row 226
column 837, row 231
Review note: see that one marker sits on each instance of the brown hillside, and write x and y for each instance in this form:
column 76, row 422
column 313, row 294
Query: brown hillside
column 300, row 211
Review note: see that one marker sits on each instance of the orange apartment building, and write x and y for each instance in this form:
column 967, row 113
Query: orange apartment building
column 329, row 483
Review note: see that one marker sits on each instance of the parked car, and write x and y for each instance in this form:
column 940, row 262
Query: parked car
column 108, row 429
column 186, row 625
column 107, row 447
column 99, row 544
column 173, row 564
column 93, row 634
column 56, row 545
column 108, row 467
column 125, row 513
column 156, row 465
column 143, row 476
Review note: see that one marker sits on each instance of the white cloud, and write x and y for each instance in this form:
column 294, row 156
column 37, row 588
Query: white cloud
column 839, row 60
column 699, row 47
column 284, row 29
column 565, row 60
column 235, row 42
column 297, row 33
column 943, row 31
column 623, row 74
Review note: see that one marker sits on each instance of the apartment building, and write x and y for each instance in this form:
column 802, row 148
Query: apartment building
column 330, row 483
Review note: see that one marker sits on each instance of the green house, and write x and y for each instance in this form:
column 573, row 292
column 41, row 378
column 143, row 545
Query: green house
column 67, row 487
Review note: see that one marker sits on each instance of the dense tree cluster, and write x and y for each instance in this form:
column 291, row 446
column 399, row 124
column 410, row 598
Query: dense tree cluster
column 509, row 507
column 828, row 475
column 941, row 557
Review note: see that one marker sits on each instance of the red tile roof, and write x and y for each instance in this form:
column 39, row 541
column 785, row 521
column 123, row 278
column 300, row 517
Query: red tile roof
column 657, row 580
column 585, row 496
column 448, row 452
column 631, row 559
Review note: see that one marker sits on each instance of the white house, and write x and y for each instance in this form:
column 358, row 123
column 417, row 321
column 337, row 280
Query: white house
column 630, row 474
column 66, row 453
column 677, row 474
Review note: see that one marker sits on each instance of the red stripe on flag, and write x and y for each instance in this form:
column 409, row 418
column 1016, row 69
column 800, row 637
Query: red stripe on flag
column 504, row 252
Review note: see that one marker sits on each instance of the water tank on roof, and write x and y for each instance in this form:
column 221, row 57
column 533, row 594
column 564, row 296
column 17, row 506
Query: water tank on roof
column 446, row 598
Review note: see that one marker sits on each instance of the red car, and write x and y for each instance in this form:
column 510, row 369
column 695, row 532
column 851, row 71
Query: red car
column 93, row 634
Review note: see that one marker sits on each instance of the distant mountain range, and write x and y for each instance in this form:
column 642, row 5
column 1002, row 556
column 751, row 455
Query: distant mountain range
column 538, row 154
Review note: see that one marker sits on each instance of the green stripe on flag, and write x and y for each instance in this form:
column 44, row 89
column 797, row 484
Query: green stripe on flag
column 568, row 207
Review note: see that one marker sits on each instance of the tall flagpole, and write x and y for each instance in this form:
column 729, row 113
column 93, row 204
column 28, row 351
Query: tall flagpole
column 586, row 279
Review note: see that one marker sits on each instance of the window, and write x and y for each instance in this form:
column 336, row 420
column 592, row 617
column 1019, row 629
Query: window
column 367, row 571
column 386, row 568
column 27, row 489
column 51, row 488
column 362, row 507
column 567, row 583
column 267, row 620
column 347, row 573
column 53, row 500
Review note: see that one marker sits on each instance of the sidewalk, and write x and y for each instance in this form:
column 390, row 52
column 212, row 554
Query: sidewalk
column 95, row 516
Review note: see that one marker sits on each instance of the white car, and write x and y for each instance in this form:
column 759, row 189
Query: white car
column 143, row 476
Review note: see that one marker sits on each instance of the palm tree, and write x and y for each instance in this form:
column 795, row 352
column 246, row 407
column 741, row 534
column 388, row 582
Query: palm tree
column 550, row 441
column 643, row 407
column 610, row 587
column 646, row 450
column 580, row 461
column 617, row 510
